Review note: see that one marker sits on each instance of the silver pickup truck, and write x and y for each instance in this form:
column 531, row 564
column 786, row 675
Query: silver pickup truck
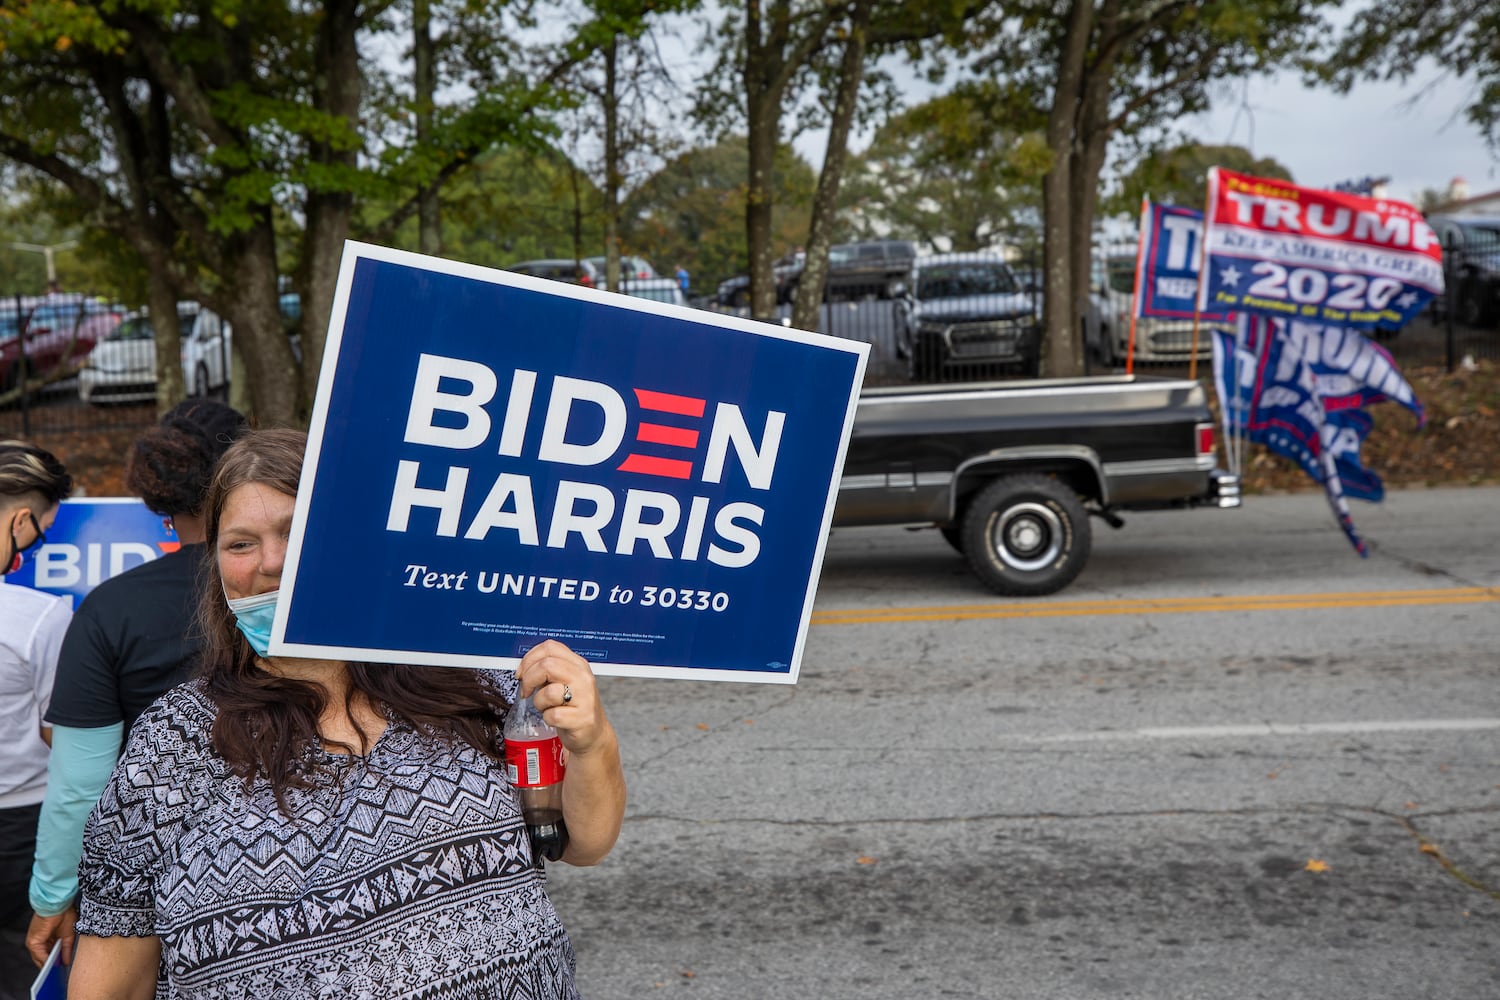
column 1010, row 472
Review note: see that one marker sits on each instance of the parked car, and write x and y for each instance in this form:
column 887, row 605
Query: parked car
column 868, row 269
column 60, row 331
column 577, row 272
column 122, row 366
column 734, row 293
column 658, row 289
column 964, row 311
column 630, row 267
column 206, row 343
column 1096, row 322
column 1156, row 340
column 1474, row 271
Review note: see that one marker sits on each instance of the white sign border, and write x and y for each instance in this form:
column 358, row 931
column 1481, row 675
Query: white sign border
column 354, row 252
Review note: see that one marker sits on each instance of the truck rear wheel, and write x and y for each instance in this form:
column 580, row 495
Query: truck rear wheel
column 1026, row 535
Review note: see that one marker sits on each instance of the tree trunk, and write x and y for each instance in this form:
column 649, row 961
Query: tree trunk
column 763, row 125
column 1059, row 327
column 1084, row 168
column 825, row 200
column 424, row 86
column 161, row 301
column 251, row 304
column 328, row 217
column 612, row 173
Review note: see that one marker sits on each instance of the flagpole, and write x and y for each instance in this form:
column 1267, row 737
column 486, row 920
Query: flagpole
column 1135, row 287
column 1213, row 176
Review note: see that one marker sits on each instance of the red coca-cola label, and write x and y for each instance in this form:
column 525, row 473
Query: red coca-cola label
column 534, row 763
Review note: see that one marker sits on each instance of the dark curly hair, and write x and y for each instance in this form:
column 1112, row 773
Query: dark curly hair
column 267, row 724
column 169, row 466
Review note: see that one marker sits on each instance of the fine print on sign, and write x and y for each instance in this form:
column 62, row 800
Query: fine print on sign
column 495, row 460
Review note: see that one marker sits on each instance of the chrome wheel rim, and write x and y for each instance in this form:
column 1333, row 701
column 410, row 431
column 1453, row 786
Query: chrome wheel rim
column 1028, row 536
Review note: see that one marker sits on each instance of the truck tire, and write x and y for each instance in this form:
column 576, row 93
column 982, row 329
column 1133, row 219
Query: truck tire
column 1026, row 535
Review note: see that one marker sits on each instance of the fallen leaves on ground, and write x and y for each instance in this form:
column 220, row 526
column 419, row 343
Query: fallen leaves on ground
column 1459, row 446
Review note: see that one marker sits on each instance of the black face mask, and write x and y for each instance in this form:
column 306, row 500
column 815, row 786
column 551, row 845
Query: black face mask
column 18, row 554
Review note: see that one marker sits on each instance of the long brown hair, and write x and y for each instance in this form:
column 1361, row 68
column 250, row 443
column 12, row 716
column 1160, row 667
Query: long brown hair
column 266, row 725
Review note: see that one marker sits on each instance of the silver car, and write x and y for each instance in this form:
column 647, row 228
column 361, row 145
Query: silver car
column 1156, row 340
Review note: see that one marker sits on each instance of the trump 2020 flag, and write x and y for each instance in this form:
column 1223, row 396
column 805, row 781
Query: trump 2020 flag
column 1269, row 394
column 1167, row 272
column 1276, row 249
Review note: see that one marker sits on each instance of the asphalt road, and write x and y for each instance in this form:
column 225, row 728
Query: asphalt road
column 1232, row 761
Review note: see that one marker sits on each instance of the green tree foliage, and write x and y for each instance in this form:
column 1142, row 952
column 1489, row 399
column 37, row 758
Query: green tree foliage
column 692, row 211
column 805, row 61
column 1179, row 175
column 1094, row 70
column 229, row 142
column 1391, row 40
column 950, row 172
column 516, row 203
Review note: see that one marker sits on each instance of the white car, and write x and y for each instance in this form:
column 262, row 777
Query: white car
column 1157, row 341
column 206, row 343
column 658, row 289
column 121, row 368
column 630, row 267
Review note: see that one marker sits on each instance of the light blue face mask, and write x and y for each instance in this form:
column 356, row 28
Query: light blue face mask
column 254, row 616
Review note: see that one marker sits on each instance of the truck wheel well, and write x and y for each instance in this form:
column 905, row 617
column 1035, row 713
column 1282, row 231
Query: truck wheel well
column 1076, row 475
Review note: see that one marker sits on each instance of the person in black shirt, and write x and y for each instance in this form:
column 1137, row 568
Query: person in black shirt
column 129, row 642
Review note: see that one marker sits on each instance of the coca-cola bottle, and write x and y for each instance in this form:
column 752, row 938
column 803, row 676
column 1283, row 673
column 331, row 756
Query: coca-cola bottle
column 534, row 764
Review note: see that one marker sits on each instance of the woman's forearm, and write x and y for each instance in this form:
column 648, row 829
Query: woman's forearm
column 593, row 801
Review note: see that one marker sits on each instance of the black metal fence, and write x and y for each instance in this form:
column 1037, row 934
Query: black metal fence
column 1468, row 313
column 972, row 335
column 45, row 343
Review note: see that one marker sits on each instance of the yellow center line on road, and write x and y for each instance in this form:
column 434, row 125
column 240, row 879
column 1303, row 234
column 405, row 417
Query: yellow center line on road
column 1164, row 606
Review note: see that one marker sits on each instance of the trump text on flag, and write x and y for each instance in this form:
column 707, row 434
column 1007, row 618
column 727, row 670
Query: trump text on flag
column 1281, row 250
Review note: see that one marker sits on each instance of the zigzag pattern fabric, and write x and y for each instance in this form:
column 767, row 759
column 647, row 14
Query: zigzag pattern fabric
column 408, row 874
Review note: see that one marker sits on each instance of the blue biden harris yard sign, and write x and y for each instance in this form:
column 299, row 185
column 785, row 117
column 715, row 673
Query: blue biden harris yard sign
column 93, row 540
column 496, row 460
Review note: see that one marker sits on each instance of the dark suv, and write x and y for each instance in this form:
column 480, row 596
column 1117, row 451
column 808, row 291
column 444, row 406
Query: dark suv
column 965, row 312
column 1473, row 244
column 870, row 269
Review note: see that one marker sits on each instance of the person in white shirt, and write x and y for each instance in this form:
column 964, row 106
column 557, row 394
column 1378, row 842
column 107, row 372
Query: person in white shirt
column 32, row 483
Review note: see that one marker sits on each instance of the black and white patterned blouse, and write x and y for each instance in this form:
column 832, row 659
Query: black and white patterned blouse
column 407, row 875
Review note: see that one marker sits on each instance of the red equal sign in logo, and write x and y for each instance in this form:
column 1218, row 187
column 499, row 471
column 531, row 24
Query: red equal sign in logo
column 665, row 434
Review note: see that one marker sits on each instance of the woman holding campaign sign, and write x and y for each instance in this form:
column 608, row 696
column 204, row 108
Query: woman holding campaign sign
column 297, row 828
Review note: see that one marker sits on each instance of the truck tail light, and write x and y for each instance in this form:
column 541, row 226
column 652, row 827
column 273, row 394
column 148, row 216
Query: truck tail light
column 1205, row 439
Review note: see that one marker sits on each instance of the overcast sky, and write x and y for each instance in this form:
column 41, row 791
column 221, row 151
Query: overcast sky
column 1414, row 133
